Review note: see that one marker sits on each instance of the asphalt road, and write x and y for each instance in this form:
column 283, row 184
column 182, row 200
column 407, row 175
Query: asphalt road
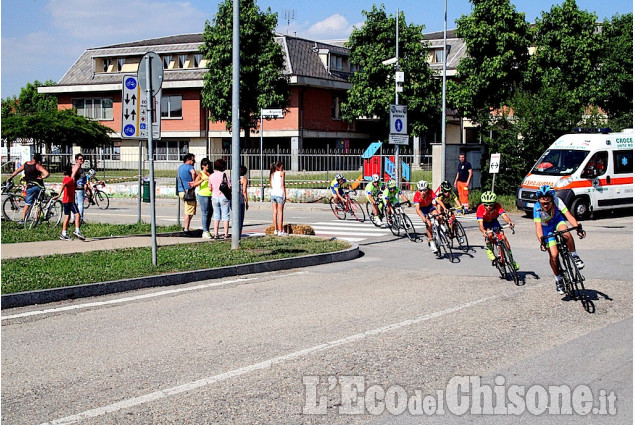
column 349, row 342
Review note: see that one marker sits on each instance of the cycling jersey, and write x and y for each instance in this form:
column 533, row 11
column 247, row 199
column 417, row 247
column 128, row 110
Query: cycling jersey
column 423, row 200
column 448, row 201
column 372, row 190
column 336, row 186
column 392, row 197
column 490, row 217
column 550, row 220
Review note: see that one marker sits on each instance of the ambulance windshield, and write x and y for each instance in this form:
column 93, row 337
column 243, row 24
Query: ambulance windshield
column 559, row 162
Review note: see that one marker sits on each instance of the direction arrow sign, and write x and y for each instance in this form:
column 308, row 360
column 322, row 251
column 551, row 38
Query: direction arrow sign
column 494, row 163
column 134, row 111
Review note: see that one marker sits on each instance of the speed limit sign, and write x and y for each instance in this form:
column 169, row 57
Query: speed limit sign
column 494, row 163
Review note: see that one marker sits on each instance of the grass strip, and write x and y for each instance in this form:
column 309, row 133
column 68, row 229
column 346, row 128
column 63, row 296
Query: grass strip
column 56, row 271
column 14, row 233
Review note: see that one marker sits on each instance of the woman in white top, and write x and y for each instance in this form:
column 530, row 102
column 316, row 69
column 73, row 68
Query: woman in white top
column 278, row 196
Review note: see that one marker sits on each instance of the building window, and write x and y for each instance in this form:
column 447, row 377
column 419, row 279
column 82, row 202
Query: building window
column 166, row 61
column 170, row 150
column 120, row 63
column 107, row 63
column 198, row 58
column 182, row 61
column 337, row 63
column 95, row 109
column 171, row 107
column 107, row 152
column 336, row 112
column 438, row 55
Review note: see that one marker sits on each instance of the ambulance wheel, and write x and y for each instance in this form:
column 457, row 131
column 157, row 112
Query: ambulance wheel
column 580, row 208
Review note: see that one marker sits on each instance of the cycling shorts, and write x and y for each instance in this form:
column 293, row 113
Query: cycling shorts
column 549, row 229
column 427, row 210
column 493, row 225
column 339, row 190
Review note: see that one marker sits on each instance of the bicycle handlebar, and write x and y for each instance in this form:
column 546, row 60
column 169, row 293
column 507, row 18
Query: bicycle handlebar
column 577, row 228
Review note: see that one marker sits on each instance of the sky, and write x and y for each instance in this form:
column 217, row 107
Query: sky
column 41, row 39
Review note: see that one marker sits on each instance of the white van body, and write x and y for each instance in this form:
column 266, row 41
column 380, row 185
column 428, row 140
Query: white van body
column 589, row 171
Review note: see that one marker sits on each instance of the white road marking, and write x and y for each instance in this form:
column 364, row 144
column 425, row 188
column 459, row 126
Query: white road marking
column 125, row 299
column 204, row 382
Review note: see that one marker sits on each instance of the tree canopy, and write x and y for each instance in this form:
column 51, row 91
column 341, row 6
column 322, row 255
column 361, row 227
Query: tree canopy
column 373, row 86
column 262, row 84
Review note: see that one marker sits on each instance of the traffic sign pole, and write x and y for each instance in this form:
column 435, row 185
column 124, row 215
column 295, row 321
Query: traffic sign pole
column 148, row 66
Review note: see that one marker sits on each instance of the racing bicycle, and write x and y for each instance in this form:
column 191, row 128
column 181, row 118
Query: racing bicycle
column 572, row 278
column 441, row 238
column 504, row 260
column 398, row 220
column 96, row 196
column 453, row 229
column 351, row 207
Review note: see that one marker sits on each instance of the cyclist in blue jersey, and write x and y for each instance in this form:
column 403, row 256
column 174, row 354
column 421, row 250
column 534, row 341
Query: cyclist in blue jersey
column 551, row 214
column 337, row 188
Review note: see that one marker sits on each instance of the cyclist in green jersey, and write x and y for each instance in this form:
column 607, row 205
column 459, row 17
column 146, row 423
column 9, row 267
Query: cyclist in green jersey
column 373, row 189
column 444, row 201
column 391, row 196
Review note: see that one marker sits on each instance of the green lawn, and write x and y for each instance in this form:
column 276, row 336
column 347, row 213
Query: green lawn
column 55, row 271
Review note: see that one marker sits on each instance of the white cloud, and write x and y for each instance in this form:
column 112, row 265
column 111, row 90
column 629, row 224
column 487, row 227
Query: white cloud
column 334, row 27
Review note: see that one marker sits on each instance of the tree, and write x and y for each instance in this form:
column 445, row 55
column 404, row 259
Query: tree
column 615, row 89
column 567, row 52
column 262, row 84
column 497, row 51
column 373, row 91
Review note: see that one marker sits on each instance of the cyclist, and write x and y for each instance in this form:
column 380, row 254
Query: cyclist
column 550, row 214
column 373, row 189
column 34, row 174
column 487, row 216
column 88, row 187
column 444, row 201
column 424, row 207
column 390, row 197
column 337, row 188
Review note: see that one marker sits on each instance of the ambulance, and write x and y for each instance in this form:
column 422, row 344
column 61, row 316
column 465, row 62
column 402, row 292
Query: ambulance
column 590, row 171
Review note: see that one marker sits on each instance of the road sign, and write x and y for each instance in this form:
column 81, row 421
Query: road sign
column 272, row 113
column 398, row 119
column 398, row 139
column 156, row 73
column 134, row 111
column 494, row 163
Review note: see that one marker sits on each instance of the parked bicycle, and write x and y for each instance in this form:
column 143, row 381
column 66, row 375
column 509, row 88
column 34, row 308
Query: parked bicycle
column 95, row 196
column 441, row 239
column 503, row 258
column 351, row 207
column 13, row 204
column 571, row 276
column 44, row 209
column 398, row 220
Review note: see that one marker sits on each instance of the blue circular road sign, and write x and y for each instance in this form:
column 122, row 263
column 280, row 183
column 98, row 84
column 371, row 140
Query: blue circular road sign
column 131, row 83
column 129, row 130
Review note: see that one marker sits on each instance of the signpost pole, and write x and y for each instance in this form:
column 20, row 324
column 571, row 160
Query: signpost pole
column 397, row 163
column 235, row 175
column 139, row 192
column 151, row 154
column 262, row 182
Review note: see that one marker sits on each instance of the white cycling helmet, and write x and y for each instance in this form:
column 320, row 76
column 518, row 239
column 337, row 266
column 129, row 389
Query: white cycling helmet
column 422, row 184
column 375, row 178
column 339, row 177
column 92, row 172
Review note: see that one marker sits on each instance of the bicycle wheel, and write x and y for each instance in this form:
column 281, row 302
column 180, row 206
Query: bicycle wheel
column 32, row 217
column 337, row 210
column 575, row 288
column 101, row 199
column 86, row 201
column 441, row 248
column 356, row 211
column 54, row 214
column 498, row 261
column 565, row 271
column 12, row 207
column 445, row 244
column 512, row 274
column 460, row 235
column 394, row 223
column 409, row 228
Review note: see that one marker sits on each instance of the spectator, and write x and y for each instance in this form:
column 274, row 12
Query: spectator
column 220, row 203
column 278, row 197
column 204, row 196
column 34, row 174
column 244, row 200
column 462, row 181
column 69, row 205
column 79, row 176
column 186, row 176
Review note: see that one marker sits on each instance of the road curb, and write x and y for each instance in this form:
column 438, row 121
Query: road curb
column 23, row 299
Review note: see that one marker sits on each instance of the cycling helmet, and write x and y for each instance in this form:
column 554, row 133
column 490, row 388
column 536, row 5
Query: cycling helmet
column 375, row 178
column 446, row 186
column 92, row 172
column 338, row 176
column 545, row 190
column 488, row 197
column 391, row 185
column 422, row 184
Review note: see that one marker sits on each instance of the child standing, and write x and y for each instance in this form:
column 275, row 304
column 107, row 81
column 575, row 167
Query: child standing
column 68, row 202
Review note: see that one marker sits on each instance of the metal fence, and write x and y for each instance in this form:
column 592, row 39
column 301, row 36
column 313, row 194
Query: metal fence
column 306, row 164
